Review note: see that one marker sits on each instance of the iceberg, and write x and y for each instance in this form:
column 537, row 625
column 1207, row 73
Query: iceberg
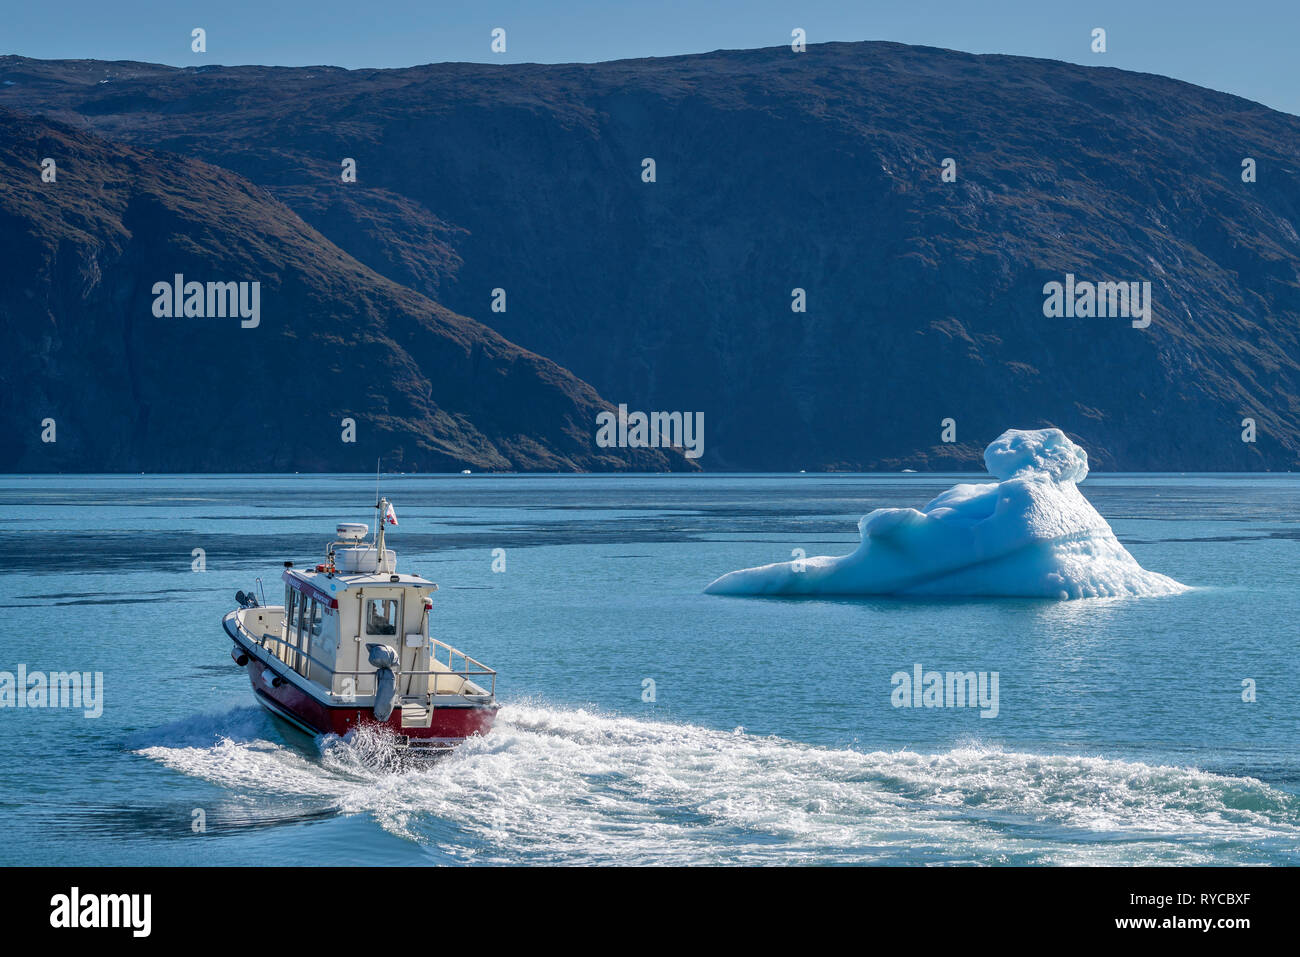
column 1031, row 534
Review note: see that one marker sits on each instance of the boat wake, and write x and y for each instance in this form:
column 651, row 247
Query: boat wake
column 572, row 786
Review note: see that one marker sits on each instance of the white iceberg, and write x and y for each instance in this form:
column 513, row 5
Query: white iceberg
column 1032, row 534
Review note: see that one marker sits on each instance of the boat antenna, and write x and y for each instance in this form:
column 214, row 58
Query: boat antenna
column 380, row 516
column 381, row 512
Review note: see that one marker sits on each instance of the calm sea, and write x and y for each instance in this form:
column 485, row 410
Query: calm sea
column 1121, row 733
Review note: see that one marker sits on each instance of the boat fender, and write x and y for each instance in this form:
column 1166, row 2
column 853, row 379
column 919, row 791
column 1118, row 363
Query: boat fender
column 240, row 656
column 385, row 660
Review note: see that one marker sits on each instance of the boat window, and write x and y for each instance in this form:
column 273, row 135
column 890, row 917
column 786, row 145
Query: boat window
column 294, row 602
column 381, row 616
column 308, row 625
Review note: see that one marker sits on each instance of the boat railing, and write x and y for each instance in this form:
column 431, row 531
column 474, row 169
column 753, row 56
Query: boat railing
column 479, row 671
column 452, row 654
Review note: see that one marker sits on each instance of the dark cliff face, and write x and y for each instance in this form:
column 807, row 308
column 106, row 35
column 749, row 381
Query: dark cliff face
column 129, row 390
column 820, row 171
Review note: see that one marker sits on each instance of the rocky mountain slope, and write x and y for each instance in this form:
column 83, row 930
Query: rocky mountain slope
column 331, row 340
column 775, row 171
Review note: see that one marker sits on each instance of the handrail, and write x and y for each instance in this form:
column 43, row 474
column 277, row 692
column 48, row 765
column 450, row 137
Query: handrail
column 485, row 672
column 456, row 651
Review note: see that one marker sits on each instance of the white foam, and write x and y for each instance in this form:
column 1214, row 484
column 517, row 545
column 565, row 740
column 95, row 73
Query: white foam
column 1032, row 534
column 576, row 787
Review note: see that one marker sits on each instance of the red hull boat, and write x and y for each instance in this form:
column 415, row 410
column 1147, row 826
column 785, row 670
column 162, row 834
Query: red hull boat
column 350, row 648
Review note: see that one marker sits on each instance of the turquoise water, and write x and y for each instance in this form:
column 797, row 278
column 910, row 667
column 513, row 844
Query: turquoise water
column 1121, row 735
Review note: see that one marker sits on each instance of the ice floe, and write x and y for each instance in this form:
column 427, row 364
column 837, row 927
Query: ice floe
column 1030, row 534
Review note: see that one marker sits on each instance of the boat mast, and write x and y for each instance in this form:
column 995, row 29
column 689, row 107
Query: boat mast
column 381, row 506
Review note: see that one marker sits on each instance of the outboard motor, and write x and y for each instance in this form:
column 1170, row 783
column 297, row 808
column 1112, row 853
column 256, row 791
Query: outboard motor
column 245, row 601
column 386, row 661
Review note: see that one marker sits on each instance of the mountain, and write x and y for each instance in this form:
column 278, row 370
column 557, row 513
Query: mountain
column 776, row 170
column 331, row 340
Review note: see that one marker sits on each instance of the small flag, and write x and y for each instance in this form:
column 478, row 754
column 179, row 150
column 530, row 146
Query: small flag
column 390, row 516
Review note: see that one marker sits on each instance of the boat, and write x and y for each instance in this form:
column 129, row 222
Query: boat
column 351, row 648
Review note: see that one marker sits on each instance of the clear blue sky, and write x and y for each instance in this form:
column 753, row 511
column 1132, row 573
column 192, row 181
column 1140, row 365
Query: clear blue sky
column 1245, row 48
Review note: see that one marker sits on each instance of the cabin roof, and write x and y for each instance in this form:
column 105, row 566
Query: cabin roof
column 337, row 583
